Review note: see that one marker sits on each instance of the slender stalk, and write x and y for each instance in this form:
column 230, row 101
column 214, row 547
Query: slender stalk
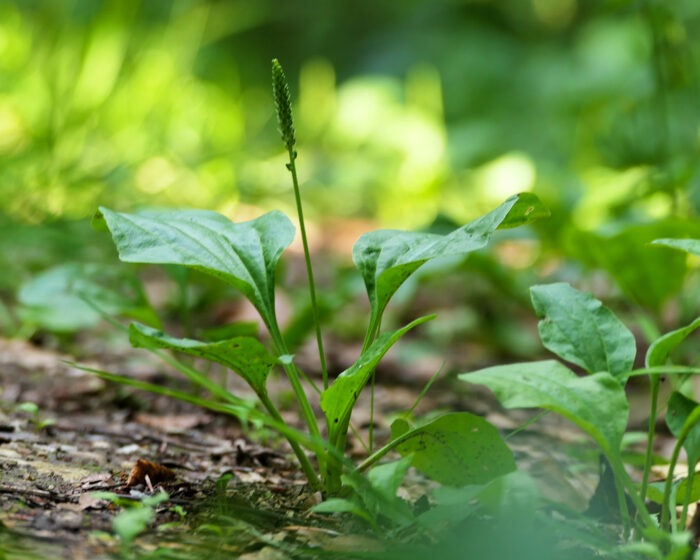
column 688, row 493
column 370, row 337
column 625, row 486
column 690, row 422
column 379, row 453
column 654, row 381
column 527, row 424
column 309, row 269
column 293, row 374
column 283, row 106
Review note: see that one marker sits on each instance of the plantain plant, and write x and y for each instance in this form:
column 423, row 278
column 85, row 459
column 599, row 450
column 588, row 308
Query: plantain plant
column 458, row 449
column 580, row 330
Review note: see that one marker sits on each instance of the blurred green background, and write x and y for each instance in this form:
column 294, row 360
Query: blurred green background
column 408, row 113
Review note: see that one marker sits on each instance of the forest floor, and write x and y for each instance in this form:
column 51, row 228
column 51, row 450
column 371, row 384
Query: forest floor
column 233, row 492
column 88, row 436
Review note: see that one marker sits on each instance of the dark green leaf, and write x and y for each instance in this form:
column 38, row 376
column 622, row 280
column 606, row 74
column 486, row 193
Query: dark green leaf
column 596, row 403
column 244, row 355
column 580, row 329
column 458, row 449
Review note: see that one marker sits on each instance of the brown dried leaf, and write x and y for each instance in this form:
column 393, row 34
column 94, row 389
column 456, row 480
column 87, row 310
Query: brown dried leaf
column 156, row 473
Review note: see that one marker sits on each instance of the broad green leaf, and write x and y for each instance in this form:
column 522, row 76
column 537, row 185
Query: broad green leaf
column 73, row 296
column 337, row 401
column 386, row 258
column 596, row 403
column 458, row 449
column 677, row 412
column 244, row 255
column 580, row 329
column 658, row 352
column 244, row 355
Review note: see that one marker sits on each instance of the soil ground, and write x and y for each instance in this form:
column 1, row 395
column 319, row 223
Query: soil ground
column 89, row 436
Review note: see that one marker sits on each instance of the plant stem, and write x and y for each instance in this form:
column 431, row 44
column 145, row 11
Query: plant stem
column 307, row 258
column 370, row 337
column 298, row 451
column 690, row 422
column 379, row 453
column 626, row 487
column 293, row 375
column 688, row 493
column 654, row 381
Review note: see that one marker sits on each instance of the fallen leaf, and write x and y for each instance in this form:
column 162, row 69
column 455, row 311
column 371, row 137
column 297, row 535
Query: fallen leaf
column 156, row 473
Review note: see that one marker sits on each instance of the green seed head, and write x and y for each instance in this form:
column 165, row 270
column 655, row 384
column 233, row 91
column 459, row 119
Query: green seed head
column 283, row 104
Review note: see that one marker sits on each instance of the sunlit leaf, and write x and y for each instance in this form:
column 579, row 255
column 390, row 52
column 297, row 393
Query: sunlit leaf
column 691, row 246
column 596, row 403
column 244, row 255
column 458, row 449
column 244, row 355
column 386, row 258
column 580, row 329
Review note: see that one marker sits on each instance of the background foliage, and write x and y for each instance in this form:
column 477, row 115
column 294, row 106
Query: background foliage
column 409, row 113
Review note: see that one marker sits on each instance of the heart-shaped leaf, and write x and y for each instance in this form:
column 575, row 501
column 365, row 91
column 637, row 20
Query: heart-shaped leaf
column 242, row 254
column 596, row 403
column 386, row 258
column 457, row 449
column 244, row 355
column 580, row 329
column 337, row 401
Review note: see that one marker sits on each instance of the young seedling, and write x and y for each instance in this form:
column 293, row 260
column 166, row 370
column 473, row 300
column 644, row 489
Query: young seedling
column 460, row 450
column 135, row 516
column 35, row 416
